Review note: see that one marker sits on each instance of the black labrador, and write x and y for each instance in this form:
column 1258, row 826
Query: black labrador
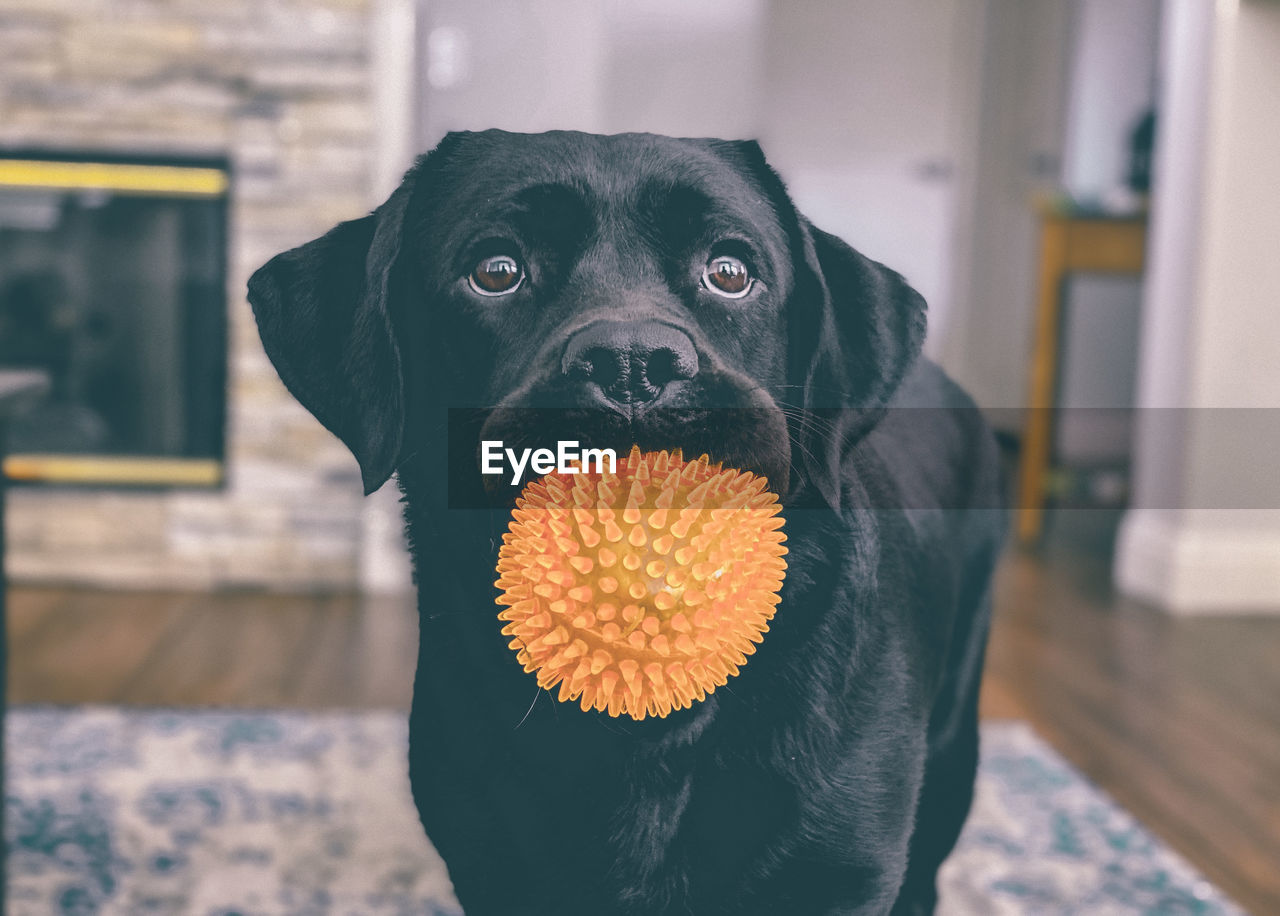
column 665, row 292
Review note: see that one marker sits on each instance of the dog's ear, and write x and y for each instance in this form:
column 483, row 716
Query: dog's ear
column 854, row 329
column 325, row 321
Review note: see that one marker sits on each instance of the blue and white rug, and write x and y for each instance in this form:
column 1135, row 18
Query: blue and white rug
column 241, row 814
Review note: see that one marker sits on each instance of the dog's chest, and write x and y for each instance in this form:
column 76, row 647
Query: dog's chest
column 661, row 835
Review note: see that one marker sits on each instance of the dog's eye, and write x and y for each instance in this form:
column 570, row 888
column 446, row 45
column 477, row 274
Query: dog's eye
column 727, row 276
column 496, row 276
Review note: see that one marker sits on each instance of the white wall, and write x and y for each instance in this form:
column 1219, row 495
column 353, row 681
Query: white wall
column 870, row 115
column 604, row 67
column 1113, row 66
column 1111, row 86
column 1205, row 534
column 1020, row 134
column 1239, row 321
column 1063, row 84
column 511, row 64
column 683, row 69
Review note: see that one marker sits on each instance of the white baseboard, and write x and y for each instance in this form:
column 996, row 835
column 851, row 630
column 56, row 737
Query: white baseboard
column 1186, row 568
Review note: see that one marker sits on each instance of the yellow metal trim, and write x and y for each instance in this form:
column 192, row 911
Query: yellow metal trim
column 111, row 469
column 130, row 179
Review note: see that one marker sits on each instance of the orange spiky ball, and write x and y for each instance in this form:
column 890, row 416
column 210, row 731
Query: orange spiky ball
column 641, row 591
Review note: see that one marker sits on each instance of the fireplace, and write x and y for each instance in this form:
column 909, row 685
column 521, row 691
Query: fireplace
column 216, row 131
column 112, row 281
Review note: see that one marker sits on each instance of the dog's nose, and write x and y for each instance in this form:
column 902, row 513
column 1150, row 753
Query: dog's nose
column 631, row 363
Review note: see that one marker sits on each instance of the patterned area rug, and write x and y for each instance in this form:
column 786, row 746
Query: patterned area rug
column 233, row 814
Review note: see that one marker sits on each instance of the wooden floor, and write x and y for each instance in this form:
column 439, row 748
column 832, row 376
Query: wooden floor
column 1179, row 720
column 242, row 649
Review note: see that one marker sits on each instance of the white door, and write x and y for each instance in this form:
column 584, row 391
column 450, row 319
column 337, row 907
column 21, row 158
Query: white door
column 871, row 119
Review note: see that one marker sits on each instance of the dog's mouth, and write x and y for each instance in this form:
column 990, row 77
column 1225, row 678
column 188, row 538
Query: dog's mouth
column 752, row 438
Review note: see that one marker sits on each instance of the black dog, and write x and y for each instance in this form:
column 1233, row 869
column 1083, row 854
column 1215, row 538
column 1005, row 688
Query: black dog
column 664, row 292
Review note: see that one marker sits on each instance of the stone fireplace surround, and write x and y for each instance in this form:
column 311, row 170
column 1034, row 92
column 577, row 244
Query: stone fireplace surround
column 286, row 90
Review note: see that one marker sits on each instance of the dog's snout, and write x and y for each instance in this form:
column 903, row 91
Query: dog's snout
column 631, row 363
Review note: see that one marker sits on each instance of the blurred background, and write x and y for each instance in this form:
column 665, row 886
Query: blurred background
column 1087, row 193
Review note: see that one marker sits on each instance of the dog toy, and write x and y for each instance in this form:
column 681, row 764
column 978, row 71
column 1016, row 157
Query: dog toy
column 640, row 591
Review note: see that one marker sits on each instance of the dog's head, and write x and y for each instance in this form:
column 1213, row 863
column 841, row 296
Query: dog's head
column 623, row 289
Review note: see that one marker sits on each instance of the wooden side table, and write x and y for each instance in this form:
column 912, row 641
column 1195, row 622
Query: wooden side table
column 17, row 390
column 1070, row 242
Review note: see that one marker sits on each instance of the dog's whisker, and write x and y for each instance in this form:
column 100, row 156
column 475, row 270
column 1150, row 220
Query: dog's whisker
column 809, row 423
column 530, row 709
column 405, row 459
column 812, row 423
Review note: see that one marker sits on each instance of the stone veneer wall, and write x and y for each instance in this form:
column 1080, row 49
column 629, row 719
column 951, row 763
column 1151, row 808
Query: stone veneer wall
column 283, row 87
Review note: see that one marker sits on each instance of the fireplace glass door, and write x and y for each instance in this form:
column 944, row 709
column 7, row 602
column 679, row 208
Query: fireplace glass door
column 112, row 282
